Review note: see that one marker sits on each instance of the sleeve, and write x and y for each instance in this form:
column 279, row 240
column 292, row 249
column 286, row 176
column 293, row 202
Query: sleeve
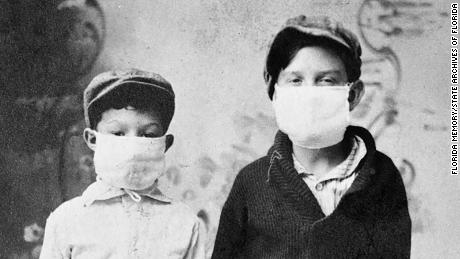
column 197, row 243
column 231, row 234
column 50, row 248
column 402, row 224
column 393, row 233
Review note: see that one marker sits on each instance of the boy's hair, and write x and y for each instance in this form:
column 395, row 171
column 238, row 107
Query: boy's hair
column 300, row 32
column 145, row 91
column 286, row 49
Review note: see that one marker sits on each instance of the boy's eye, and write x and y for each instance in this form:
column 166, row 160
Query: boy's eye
column 327, row 81
column 118, row 133
column 150, row 135
column 295, row 81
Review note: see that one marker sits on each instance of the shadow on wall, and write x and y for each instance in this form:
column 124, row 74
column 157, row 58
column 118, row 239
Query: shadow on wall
column 381, row 24
column 45, row 48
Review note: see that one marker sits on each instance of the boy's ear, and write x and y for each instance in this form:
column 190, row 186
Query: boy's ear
column 169, row 141
column 90, row 138
column 355, row 94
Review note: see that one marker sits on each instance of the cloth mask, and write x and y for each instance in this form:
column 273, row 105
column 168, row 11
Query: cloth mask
column 313, row 117
column 132, row 163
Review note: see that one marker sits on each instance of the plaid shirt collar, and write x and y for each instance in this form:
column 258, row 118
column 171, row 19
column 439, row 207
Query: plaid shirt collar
column 342, row 170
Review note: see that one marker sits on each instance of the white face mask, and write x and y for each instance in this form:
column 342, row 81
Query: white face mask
column 313, row 117
column 133, row 163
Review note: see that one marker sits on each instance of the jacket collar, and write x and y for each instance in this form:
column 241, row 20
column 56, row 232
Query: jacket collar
column 283, row 175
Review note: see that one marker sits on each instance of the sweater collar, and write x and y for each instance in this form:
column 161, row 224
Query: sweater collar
column 282, row 173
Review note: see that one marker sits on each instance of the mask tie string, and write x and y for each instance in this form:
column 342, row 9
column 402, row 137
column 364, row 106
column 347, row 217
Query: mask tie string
column 134, row 195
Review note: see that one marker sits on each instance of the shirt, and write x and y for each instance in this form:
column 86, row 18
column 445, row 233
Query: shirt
column 330, row 188
column 107, row 222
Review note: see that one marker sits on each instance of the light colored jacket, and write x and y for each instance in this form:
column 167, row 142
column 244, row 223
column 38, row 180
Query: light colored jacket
column 106, row 222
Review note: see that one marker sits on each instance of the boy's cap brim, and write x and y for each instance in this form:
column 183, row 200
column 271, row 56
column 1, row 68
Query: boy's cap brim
column 112, row 82
column 323, row 26
column 317, row 32
column 112, row 88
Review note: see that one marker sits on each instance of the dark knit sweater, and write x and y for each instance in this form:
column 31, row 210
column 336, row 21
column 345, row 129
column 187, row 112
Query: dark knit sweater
column 271, row 213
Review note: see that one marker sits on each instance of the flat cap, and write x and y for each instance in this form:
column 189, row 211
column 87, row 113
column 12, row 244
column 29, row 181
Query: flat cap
column 320, row 27
column 135, row 82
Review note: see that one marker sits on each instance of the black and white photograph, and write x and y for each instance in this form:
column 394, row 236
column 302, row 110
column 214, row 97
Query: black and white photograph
column 225, row 129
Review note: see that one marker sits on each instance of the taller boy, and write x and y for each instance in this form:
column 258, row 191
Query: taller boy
column 322, row 191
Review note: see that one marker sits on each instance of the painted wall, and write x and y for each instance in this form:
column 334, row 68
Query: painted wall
column 213, row 53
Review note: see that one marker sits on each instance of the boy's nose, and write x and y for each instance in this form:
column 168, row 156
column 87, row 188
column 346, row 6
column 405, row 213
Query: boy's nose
column 132, row 134
column 309, row 82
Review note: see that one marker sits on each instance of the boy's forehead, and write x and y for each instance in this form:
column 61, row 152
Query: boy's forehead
column 130, row 116
column 132, row 111
column 316, row 58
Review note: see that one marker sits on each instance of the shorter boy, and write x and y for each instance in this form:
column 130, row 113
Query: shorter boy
column 123, row 214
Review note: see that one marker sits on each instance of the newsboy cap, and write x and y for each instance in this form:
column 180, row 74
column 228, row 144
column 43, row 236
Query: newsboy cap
column 318, row 27
column 135, row 82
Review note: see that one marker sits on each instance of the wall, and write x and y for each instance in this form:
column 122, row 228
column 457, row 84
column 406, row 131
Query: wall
column 213, row 53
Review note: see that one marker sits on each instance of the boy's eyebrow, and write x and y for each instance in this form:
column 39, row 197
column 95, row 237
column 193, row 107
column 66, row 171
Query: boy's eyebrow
column 292, row 72
column 331, row 71
column 152, row 124
column 299, row 73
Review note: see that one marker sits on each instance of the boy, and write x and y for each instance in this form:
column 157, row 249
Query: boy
column 123, row 214
column 323, row 190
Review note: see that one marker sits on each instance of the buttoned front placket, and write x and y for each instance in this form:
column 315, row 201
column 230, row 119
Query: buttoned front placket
column 134, row 216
